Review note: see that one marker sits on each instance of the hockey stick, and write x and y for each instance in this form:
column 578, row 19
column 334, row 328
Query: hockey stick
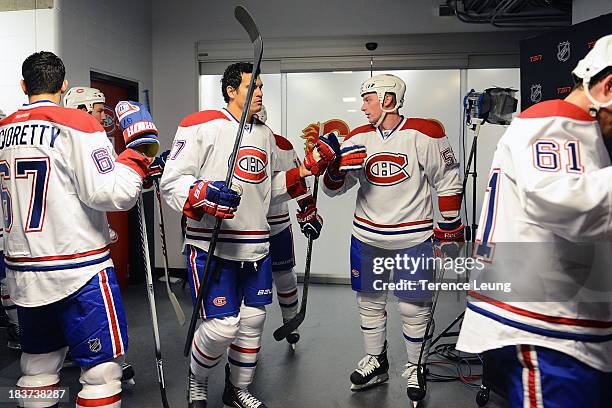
column 245, row 19
column 151, row 295
column 291, row 325
column 178, row 310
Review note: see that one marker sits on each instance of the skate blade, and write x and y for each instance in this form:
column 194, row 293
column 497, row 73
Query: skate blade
column 129, row 383
column 293, row 346
column 378, row 380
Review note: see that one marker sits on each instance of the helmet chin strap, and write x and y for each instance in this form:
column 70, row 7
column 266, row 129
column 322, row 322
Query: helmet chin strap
column 595, row 104
column 380, row 120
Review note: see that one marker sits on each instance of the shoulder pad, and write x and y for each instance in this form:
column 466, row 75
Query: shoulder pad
column 360, row 129
column 555, row 107
column 428, row 127
column 204, row 116
column 283, row 143
column 73, row 118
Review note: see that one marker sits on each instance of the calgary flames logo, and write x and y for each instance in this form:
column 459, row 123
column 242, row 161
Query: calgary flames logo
column 386, row 169
column 251, row 165
column 312, row 132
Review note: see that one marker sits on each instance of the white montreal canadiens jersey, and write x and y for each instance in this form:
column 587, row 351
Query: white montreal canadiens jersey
column 394, row 206
column 546, row 227
column 201, row 151
column 59, row 177
column 278, row 215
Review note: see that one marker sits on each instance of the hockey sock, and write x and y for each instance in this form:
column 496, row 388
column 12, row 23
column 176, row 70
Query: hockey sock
column 101, row 385
column 287, row 292
column 373, row 321
column 210, row 342
column 414, row 323
column 245, row 348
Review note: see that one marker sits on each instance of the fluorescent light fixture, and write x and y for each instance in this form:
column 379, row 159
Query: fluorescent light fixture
column 351, row 110
column 349, row 99
column 342, row 72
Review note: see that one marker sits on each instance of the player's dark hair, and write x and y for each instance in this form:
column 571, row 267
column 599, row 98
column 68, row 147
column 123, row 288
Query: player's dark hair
column 233, row 77
column 595, row 80
column 43, row 73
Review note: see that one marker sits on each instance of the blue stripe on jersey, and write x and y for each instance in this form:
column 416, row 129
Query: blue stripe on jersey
column 44, row 268
column 592, row 338
column 423, row 229
column 240, row 363
column 230, row 240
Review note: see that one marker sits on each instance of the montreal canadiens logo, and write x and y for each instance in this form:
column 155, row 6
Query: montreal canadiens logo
column 251, row 165
column 387, row 169
column 219, row 301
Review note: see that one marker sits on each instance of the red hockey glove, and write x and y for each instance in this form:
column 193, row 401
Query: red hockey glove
column 449, row 237
column 214, row 198
column 325, row 152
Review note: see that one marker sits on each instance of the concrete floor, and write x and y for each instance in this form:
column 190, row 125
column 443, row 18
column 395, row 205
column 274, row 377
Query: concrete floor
column 315, row 376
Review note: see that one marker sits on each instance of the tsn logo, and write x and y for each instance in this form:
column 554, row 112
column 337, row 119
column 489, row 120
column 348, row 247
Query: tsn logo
column 262, row 292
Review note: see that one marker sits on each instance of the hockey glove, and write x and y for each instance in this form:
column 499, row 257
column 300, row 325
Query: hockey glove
column 214, row 198
column 156, row 169
column 139, row 131
column 310, row 222
column 325, row 152
column 352, row 158
column 449, row 237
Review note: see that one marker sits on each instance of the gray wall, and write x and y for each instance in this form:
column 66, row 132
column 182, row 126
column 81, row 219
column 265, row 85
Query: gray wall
column 586, row 9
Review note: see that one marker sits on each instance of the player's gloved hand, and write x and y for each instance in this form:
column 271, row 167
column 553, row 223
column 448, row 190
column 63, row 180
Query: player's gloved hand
column 156, row 169
column 139, row 131
column 326, row 150
column 310, row 221
column 351, row 158
column 449, row 237
column 214, row 198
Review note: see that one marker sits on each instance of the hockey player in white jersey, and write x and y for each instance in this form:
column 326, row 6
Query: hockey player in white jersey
column 545, row 223
column 59, row 176
column 92, row 100
column 233, row 312
column 406, row 158
column 281, row 237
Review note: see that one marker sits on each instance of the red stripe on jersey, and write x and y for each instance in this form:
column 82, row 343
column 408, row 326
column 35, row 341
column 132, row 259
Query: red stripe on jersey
column 360, row 129
column 202, row 117
column 73, row 118
column 598, row 324
column 97, row 402
column 531, row 376
column 288, row 295
column 429, row 127
column 556, row 107
column 244, row 349
column 112, row 315
column 403, row 224
column 449, row 203
column 227, row 231
column 58, row 257
column 135, row 161
column 283, row 143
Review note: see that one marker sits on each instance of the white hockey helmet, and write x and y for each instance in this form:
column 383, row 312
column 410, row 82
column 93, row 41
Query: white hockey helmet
column 383, row 84
column 262, row 114
column 598, row 59
column 83, row 96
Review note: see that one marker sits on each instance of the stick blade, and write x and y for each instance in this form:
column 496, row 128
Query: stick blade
column 289, row 327
column 178, row 310
column 245, row 19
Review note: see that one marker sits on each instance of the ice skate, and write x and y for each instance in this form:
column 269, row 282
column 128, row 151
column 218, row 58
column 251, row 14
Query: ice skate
column 371, row 371
column 197, row 393
column 239, row 397
column 416, row 387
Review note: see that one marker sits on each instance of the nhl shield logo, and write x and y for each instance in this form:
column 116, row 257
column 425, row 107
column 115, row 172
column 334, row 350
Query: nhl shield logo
column 563, row 51
column 94, row 345
column 536, row 93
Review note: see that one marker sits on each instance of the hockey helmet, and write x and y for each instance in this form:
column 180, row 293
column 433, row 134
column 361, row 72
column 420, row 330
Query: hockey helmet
column 598, row 59
column 385, row 83
column 80, row 96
